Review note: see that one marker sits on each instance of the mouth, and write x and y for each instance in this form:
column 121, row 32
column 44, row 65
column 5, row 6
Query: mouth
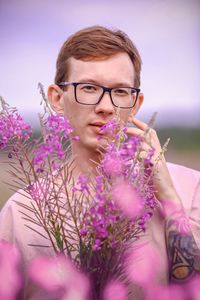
column 97, row 127
column 97, row 124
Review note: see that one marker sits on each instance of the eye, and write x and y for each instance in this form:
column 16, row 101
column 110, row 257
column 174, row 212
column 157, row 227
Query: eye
column 89, row 88
column 121, row 91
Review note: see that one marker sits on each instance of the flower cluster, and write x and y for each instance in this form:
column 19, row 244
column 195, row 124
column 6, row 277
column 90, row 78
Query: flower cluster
column 124, row 197
column 59, row 276
column 56, row 129
column 96, row 218
column 13, row 128
column 81, row 184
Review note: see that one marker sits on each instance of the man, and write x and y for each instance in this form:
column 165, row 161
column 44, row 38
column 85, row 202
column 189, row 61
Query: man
column 93, row 67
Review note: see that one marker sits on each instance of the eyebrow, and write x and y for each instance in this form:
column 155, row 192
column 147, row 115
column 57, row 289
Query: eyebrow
column 119, row 84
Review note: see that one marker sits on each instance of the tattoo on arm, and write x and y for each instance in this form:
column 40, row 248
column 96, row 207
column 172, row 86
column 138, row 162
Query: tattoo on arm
column 183, row 253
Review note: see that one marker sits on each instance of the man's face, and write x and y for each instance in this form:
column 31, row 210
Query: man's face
column 86, row 120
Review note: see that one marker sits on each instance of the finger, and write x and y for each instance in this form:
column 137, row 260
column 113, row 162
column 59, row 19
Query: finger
column 146, row 135
column 145, row 147
column 141, row 156
column 145, row 155
column 141, row 125
column 135, row 131
column 150, row 134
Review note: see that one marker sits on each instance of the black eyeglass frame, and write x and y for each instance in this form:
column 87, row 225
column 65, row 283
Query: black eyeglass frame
column 105, row 89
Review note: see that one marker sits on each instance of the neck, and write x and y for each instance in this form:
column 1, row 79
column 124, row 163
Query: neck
column 84, row 161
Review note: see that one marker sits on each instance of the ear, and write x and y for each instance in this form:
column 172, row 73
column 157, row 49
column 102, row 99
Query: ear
column 137, row 106
column 55, row 97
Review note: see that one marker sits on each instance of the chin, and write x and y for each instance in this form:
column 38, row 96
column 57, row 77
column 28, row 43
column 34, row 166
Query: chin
column 96, row 145
column 101, row 145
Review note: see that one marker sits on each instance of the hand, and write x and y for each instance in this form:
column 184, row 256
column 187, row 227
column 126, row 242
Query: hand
column 165, row 190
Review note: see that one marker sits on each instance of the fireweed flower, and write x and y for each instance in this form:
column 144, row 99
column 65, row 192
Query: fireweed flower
column 39, row 190
column 177, row 292
column 58, row 125
column 57, row 129
column 10, row 282
column 97, row 222
column 130, row 148
column 124, row 193
column 115, row 290
column 184, row 291
column 57, row 275
column 112, row 164
column 81, row 184
column 127, row 198
column 100, row 187
column 13, row 129
column 98, row 219
column 143, row 264
column 111, row 127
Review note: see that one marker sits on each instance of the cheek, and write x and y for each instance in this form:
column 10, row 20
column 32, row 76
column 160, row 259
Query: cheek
column 70, row 109
column 124, row 115
column 77, row 115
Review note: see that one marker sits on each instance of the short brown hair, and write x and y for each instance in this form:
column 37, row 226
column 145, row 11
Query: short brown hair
column 95, row 43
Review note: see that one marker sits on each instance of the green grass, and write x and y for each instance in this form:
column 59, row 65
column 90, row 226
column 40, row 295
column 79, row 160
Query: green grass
column 184, row 140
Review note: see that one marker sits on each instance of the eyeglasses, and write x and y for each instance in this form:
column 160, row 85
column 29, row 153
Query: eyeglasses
column 91, row 94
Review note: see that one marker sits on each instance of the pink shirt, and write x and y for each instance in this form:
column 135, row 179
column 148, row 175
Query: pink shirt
column 13, row 228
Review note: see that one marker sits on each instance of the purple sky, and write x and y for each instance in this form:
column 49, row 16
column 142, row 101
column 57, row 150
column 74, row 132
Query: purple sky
column 167, row 34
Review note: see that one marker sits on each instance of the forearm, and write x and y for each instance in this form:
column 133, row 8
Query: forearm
column 183, row 252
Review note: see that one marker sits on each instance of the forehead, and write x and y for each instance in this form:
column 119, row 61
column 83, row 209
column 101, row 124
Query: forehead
column 115, row 69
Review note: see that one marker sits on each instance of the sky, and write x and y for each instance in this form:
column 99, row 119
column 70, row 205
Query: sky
column 167, row 34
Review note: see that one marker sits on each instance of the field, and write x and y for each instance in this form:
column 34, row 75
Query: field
column 184, row 149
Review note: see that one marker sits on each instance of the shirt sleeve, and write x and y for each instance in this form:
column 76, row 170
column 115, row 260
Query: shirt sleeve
column 187, row 184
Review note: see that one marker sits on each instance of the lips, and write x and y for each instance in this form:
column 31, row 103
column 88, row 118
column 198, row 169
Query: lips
column 97, row 126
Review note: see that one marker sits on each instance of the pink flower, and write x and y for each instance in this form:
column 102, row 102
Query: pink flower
column 127, row 198
column 57, row 129
column 110, row 127
column 81, row 184
column 143, row 264
column 182, row 291
column 10, row 282
column 13, row 129
column 115, row 290
column 193, row 288
column 58, row 275
column 112, row 164
column 40, row 190
column 76, row 138
column 180, row 218
column 58, row 125
column 178, row 292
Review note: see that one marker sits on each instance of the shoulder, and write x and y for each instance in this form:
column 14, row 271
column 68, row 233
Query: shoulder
column 10, row 216
column 187, row 183
column 18, row 225
column 13, row 204
column 176, row 170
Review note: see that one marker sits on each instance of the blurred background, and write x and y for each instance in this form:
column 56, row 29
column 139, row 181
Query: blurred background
column 167, row 34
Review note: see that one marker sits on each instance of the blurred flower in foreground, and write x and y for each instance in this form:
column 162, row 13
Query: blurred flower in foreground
column 165, row 293
column 10, row 282
column 115, row 290
column 143, row 264
column 58, row 275
column 127, row 198
column 184, row 291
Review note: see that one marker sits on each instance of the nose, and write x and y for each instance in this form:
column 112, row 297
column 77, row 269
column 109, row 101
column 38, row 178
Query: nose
column 105, row 105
